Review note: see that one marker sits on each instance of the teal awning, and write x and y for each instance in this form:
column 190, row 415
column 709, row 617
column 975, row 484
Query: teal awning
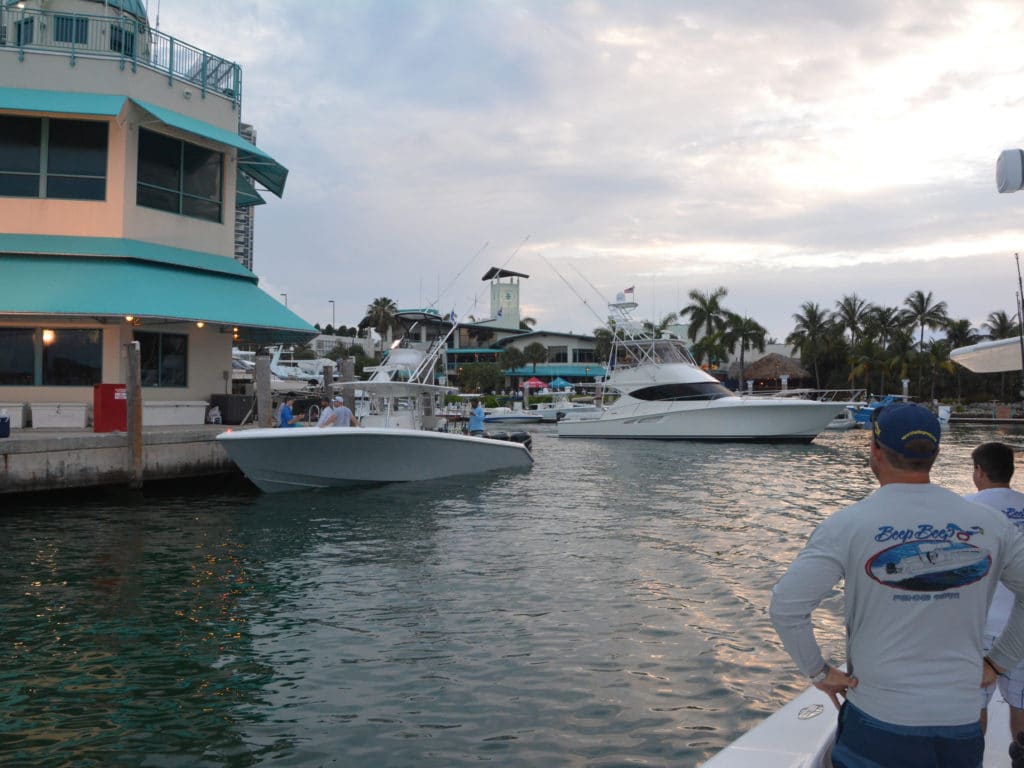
column 548, row 370
column 70, row 245
column 152, row 289
column 61, row 102
column 251, row 159
column 245, row 192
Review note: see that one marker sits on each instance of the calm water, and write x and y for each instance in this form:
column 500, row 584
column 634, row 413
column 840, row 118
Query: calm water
column 606, row 608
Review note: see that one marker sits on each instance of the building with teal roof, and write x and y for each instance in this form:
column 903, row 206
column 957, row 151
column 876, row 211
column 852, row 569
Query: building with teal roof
column 121, row 172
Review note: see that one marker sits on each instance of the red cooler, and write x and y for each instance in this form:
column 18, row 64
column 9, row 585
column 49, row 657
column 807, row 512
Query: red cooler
column 109, row 408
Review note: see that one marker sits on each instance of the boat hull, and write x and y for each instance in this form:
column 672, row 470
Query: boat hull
column 277, row 460
column 727, row 419
column 801, row 735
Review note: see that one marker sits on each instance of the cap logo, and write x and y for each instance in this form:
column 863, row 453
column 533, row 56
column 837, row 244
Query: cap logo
column 921, row 432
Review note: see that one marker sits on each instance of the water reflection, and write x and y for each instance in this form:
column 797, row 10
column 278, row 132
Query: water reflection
column 607, row 607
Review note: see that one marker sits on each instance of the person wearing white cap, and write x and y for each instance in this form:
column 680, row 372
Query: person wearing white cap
column 341, row 414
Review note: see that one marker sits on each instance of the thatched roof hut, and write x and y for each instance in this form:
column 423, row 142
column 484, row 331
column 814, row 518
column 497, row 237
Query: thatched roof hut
column 772, row 366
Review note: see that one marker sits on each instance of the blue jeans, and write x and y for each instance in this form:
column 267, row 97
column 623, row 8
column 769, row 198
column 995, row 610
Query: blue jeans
column 864, row 742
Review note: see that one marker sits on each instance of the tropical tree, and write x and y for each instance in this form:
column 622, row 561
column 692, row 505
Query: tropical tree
column 925, row 313
column 381, row 315
column 527, row 323
column 511, row 358
column 711, row 348
column 810, row 335
column 706, row 312
column 656, row 330
column 851, row 314
column 867, row 357
column 959, row 333
column 1000, row 326
column 535, row 353
column 480, row 377
column 937, row 356
column 743, row 333
column 603, row 343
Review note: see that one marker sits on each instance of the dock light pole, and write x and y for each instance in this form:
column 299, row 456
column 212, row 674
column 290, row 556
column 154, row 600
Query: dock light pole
column 331, row 302
column 285, row 299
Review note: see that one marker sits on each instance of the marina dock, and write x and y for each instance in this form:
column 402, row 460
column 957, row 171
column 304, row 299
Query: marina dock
column 34, row 460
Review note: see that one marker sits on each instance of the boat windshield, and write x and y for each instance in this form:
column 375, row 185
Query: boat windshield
column 702, row 390
column 630, row 352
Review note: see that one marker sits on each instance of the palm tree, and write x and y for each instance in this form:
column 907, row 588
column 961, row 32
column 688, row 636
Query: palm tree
column 527, row 323
column 1000, row 326
column 959, row 333
column 706, row 312
column 535, row 353
column 867, row 357
column 381, row 316
column 711, row 348
column 851, row 314
column 745, row 333
column 603, row 344
column 923, row 312
column 810, row 336
column 512, row 358
column 656, row 330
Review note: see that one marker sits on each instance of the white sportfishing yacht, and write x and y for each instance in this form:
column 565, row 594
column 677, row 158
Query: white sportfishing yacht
column 663, row 394
column 401, row 437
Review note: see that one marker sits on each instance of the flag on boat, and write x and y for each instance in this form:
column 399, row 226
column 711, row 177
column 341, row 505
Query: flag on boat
column 629, row 290
column 451, row 317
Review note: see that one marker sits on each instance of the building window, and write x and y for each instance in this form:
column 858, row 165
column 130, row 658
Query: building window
column 179, row 177
column 70, row 29
column 558, row 354
column 24, row 32
column 61, row 357
column 122, row 40
column 583, row 356
column 17, row 357
column 72, row 357
column 45, row 157
column 163, row 359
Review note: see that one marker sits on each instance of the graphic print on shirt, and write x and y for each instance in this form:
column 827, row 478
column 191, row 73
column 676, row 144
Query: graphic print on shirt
column 928, row 559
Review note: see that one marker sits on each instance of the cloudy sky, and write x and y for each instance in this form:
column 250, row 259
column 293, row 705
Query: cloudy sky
column 789, row 151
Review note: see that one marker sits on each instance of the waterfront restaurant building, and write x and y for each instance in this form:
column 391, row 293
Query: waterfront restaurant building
column 121, row 168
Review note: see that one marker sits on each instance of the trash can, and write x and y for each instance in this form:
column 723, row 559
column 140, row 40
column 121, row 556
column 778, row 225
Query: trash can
column 109, row 408
column 5, row 424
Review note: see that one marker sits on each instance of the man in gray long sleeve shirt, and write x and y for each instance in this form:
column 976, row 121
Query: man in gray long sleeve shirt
column 921, row 565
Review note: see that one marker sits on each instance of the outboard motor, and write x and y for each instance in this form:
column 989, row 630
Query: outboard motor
column 522, row 437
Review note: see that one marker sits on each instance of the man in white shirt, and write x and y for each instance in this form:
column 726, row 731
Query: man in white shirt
column 919, row 565
column 993, row 469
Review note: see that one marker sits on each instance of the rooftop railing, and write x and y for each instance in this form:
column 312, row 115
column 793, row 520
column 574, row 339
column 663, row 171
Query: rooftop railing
column 121, row 37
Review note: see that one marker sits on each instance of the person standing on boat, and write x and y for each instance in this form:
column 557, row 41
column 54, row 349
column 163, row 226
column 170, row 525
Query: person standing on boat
column 341, row 414
column 476, row 418
column 914, row 624
column 993, row 470
column 325, row 411
column 285, row 416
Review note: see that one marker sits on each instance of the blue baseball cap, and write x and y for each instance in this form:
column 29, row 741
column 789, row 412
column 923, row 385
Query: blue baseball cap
column 909, row 429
